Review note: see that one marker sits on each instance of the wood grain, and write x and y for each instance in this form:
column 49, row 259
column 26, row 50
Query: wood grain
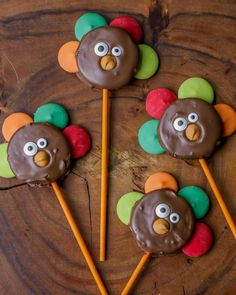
column 38, row 254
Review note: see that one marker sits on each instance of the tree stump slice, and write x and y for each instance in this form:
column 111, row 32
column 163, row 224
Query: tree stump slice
column 38, row 253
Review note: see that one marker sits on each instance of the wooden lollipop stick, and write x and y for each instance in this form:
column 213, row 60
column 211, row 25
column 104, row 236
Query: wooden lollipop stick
column 137, row 272
column 79, row 238
column 104, row 174
column 218, row 196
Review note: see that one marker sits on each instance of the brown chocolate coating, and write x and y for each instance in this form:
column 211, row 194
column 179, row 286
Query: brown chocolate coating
column 57, row 150
column 176, row 142
column 89, row 63
column 144, row 215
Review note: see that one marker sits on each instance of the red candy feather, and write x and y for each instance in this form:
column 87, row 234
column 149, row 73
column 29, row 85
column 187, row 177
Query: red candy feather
column 200, row 242
column 79, row 140
column 158, row 101
column 130, row 25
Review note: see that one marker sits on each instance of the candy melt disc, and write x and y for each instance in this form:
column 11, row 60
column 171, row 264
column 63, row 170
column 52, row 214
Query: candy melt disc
column 200, row 242
column 5, row 169
column 197, row 198
column 148, row 62
column 87, row 22
column 79, row 140
column 160, row 180
column 196, row 87
column 13, row 122
column 66, row 57
column 228, row 117
column 52, row 113
column 126, row 204
column 129, row 24
column 147, row 137
column 158, row 100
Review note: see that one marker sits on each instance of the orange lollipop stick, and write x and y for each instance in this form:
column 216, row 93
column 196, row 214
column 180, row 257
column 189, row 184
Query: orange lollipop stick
column 104, row 174
column 136, row 274
column 218, row 196
column 79, row 239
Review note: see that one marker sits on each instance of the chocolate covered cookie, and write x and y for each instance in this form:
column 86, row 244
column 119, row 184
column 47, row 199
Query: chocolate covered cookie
column 39, row 152
column 187, row 127
column 190, row 129
column 107, row 57
column 162, row 222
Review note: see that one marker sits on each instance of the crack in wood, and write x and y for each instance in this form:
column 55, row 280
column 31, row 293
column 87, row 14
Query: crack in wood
column 137, row 180
column 207, row 54
column 14, row 260
column 11, row 186
column 202, row 13
column 30, row 93
column 49, row 12
column 89, row 204
column 22, row 270
column 158, row 19
column 214, row 277
column 29, row 16
column 184, row 292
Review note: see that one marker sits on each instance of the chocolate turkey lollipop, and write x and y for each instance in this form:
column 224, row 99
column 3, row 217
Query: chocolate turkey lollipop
column 107, row 57
column 189, row 127
column 39, row 153
column 163, row 220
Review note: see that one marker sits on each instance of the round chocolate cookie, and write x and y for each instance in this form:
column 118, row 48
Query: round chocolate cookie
column 39, row 153
column 190, row 129
column 162, row 222
column 107, row 57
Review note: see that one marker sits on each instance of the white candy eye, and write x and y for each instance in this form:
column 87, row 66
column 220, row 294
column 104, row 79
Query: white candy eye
column 101, row 48
column 30, row 148
column 192, row 117
column 180, row 124
column 162, row 210
column 116, row 51
column 42, row 143
column 174, row 217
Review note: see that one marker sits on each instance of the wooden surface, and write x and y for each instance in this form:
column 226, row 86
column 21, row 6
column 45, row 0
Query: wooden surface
column 38, row 253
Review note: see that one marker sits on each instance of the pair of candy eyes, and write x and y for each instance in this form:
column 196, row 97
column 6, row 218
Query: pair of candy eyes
column 31, row 148
column 101, row 49
column 180, row 123
column 163, row 210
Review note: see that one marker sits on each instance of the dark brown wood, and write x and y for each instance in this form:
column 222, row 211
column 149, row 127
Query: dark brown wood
column 38, row 253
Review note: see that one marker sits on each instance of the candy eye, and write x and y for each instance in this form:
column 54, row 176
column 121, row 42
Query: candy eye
column 30, row 148
column 180, row 124
column 162, row 210
column 42, row 143
column 192, row 117
column 116, row 51
column 174, row 217
column 101, row 49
